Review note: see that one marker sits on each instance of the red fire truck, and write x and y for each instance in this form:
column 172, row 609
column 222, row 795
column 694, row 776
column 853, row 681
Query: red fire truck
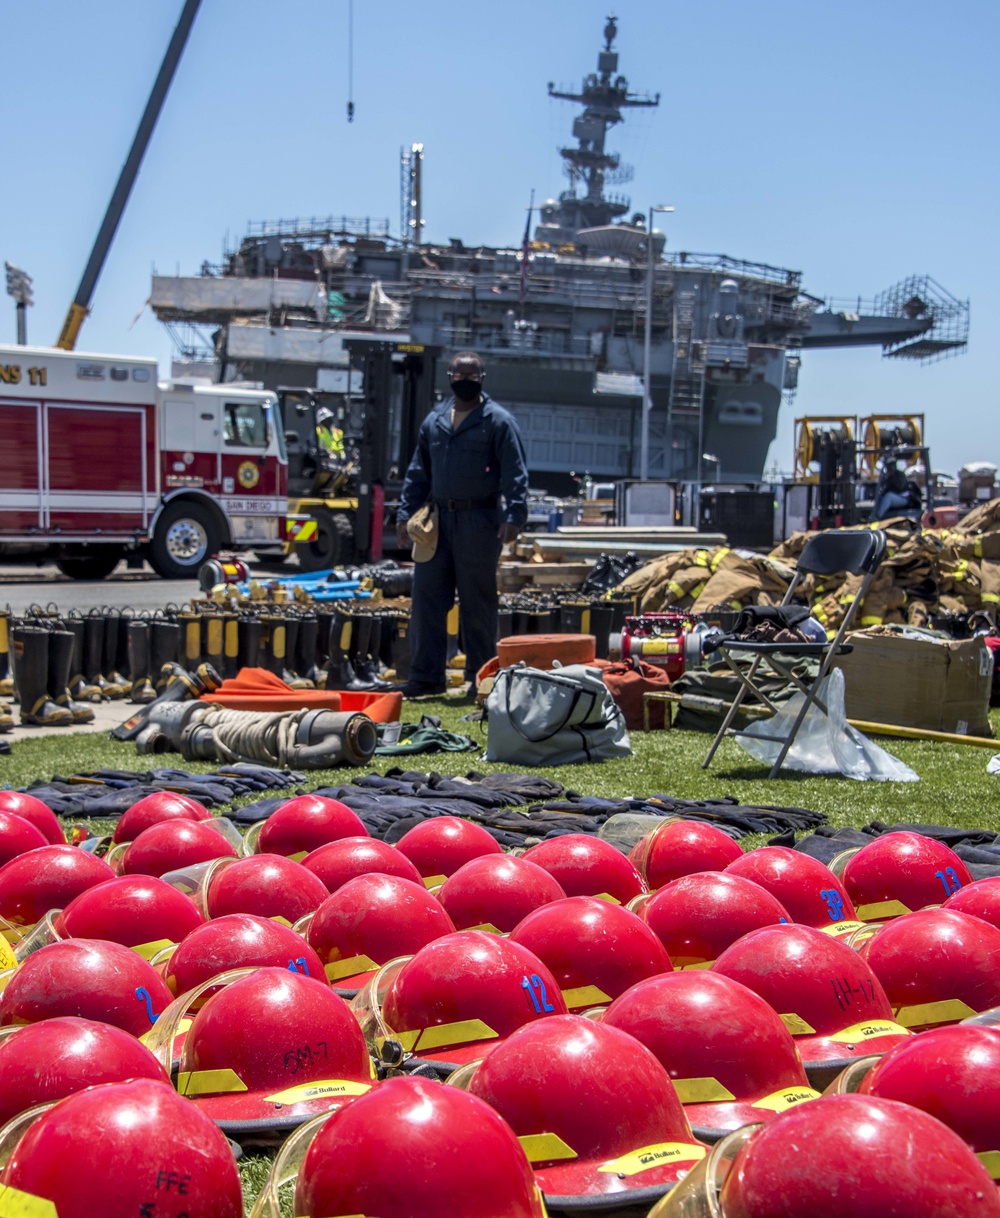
column 99, row 462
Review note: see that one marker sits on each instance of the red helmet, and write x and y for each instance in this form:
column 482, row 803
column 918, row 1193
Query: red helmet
column 899, row 873
column 238, row 941
column 681, row 847
column 593, row 1108
column 140, row 911
column 407, row 1149
column 269, row 1049
column 827, row 996
column 157, row 1155
column 265, row 884
column 981, row 898
column 371, row 920
column 731, row 1058
column 437, row 847
column 18, row 836
column 810, row 892
column 588, row 867
column 152, row 809
column 842, row 1155
column 301, row 825
column 337, row 862
column 698, row 916
column 76, row 1053
column 172, row 844
column 937, row 966
column 595, row 950
column 47, row 878
column 457, row 997
column 31, row 809
column 91, row 978
column 495, row 892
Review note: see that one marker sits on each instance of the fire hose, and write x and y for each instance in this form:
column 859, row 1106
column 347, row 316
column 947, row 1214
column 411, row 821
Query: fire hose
column 305, row 739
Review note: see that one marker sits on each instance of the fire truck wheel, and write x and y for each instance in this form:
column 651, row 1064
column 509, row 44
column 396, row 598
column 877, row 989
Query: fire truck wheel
column 186, row 534
column 95, row 563
column 333, row 544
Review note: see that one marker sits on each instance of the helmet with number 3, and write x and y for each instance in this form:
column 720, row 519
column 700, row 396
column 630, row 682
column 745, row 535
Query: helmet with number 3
column 810, row 892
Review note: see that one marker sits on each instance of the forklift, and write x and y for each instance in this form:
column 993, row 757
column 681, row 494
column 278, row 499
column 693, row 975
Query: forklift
column 350, row 496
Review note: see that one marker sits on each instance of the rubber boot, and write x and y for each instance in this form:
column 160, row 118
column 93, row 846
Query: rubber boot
column 274, row 645
column 93, row 657
column 6, row 672
column 190, row 656
column 369, row 636
column 339, row 673
column 230, row 646
column 401, row 654
column 112, row 632
column 31, row 666
column 80, row 690
column 250, row 632
column 140, row 686
column 324, row 623
column 122, row 662
column 289, row 673
column 305, row 654
column 212, row 640
column 60, row 665
column 164, row 643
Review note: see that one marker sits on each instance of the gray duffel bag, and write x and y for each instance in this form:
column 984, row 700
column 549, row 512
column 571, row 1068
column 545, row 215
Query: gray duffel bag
column 560, row 717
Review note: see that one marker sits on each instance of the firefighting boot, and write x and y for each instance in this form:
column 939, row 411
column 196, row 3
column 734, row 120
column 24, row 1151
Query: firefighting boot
column 6, row 673
column 60, row 666
column 230, row 646
column 109, row 667
column 164, row 643
column 289, row 673
column 93, row 656
column 190, row 656
column 122, row 661
column 339, row 672
column 211, row 639
column 369, row 636
column 31, row 667
column 274, row 645
column 250, row 633
column 80, row 689
column 141, row 688
column 305, row 653
column 324, row 622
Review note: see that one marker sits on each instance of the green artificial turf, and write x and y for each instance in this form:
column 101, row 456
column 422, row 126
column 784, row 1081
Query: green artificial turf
column 954, row 789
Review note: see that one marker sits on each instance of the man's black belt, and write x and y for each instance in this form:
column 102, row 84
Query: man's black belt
column 467, row 505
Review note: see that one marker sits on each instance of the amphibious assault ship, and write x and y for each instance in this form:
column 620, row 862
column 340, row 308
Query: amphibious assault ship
column 576, row 322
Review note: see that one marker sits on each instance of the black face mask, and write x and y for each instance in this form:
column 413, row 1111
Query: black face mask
column 466, row 391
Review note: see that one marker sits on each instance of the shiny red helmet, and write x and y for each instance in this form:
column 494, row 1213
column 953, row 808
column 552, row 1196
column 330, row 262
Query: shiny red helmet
column 595, row 950
column 937, row 966
column 154, row 808
column 588, row 867
column 46, row 1061
column 157, row 1155
column 407, row 1149
column 456, row 997
column 842, row 1155
column 899, row 873
column 593, row 1108
column 732, row 1060
column 268, row 1050
column 238, row 941
column 268, row 885
column 371, row 920
column 810, row 892
column 303, row 824
column 698, row 916
column 681, row 847
column 337, row 862
column 495, row 892
column 981, row 898
column 18, row 836
column 47, row 878
column 36, row 813
column 139, row 911
column 173, row 844
column 826, row 994
column 91, row 978
column 438, row 846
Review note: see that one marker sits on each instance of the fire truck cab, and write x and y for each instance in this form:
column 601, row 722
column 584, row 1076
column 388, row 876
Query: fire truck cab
column 98, row 461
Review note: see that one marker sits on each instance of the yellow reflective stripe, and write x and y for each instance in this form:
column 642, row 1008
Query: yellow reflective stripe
column 675, row 588
column 882, row 909
column 701, row 558
column 871, row 1030
column 545, row 1148
column 318, row 1091
column 961, row 568
column 585, row 996
column 16, row 1204
column 797, row 1025
column 701, row 1091
column 444, row 1035
column 209, row 1082
column 871, row 621
column 948, row 1010
column 698, row 589
column 714, row 564
column 778, row 1101
column 348, row 966
column 978, row 551
column 735, row 604
column 991, row 598
column 656, row 1155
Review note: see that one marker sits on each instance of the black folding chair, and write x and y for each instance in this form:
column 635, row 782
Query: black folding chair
column 858, row 551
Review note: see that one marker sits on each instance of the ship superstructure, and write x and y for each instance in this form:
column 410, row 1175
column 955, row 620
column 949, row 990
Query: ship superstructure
column 560, row 320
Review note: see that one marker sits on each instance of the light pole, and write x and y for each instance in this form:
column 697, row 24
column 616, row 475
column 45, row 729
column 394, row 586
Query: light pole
column 19, row 286
column 647, row 397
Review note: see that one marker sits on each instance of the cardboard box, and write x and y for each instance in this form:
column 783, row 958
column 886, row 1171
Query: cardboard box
column 940, row 684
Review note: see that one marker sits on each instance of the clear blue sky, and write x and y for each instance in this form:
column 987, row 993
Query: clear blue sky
column 856, row 142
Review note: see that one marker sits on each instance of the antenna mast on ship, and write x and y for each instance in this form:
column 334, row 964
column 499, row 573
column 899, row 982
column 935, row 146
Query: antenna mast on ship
column 604, row 95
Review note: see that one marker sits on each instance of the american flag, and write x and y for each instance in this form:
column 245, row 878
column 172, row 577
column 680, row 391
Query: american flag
column 525, row 250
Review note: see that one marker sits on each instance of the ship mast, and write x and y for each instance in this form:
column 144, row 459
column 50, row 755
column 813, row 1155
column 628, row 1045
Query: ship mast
column 604, row 95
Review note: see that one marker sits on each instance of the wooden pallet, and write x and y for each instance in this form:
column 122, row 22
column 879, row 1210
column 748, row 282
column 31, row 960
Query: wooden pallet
column 515, row 575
